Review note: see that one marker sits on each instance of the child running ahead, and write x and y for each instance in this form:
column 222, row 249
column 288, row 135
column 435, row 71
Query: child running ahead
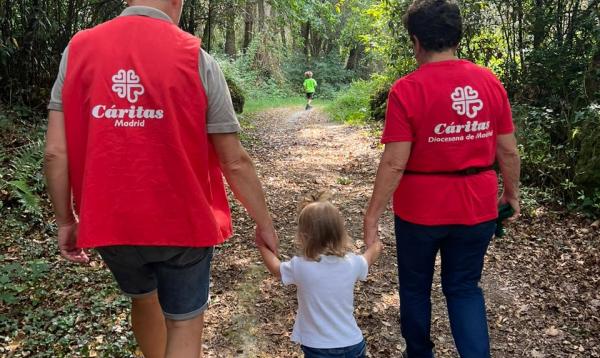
column 310, row 86
column 324, row 274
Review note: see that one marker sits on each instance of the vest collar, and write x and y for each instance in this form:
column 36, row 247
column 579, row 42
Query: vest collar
column 146, row 11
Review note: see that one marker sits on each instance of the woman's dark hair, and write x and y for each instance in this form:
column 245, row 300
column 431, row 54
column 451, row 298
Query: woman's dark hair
column 436, row 23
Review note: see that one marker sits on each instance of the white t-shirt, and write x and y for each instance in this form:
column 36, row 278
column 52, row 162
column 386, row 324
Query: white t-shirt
column 325, row 317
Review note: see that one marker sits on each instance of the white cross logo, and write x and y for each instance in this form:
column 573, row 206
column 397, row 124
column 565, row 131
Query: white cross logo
column 126, row 84
column 465, row 101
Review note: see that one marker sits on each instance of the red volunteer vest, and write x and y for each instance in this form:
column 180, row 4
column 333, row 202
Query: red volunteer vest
column 452, row 112
column 141, row 166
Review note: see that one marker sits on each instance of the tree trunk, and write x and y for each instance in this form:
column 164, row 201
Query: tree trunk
column 592, row 79
column 208, row 29
column 230, row 49
column 6, row 16
column 248, row 24
column 315, row 41
column 559, row 36
column 189, row 24
column 329, row 46
column 356, row 54
column 261, row 14
column 539, row 24
column 573, row 22
column 305, row 32
column 283, row 39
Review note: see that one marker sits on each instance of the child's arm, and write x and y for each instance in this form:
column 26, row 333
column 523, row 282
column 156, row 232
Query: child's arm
column 271, row 261
column 373, row 252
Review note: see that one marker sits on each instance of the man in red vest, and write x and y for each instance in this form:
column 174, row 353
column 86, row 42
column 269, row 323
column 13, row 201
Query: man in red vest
column 140, row 126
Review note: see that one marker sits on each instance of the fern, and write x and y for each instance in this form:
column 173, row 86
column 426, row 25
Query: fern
column 29, row 200
column 23, row 178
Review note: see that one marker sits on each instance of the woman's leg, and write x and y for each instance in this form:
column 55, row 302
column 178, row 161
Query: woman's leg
column 463, row 253
column 417, row 248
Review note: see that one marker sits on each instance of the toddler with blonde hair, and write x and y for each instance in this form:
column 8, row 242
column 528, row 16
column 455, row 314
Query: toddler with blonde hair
column 324, row 273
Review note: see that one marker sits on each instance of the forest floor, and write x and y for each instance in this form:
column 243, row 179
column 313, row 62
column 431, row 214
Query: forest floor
column 542, row 280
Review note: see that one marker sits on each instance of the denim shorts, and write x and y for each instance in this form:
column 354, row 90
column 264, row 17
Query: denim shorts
column 180, row 275
column 356, row 351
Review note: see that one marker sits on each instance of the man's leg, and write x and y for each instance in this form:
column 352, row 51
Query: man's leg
column 136, row 280
column 148, row 325
column 184, row 338
column 462, row 262
column 183, row 290
column 417, row 248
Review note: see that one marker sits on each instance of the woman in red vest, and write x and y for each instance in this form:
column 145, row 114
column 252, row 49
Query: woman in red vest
column 446, row 124
column 141, row 131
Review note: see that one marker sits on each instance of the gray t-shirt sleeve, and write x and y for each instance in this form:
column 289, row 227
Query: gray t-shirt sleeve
column 220, row 115
column 56, row 94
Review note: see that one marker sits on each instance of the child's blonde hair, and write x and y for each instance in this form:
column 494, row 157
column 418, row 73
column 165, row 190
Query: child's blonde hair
column 308, row 74
column 321, row 229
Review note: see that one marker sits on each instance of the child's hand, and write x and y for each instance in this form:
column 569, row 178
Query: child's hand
column 270, row 259
column 373, row 251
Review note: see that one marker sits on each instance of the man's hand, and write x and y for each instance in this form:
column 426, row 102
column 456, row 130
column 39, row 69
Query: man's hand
column 267, row 237
column 67, row 243
column 514, row 203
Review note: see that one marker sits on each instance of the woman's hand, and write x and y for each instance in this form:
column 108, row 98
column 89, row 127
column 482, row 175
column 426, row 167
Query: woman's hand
column 514, row 203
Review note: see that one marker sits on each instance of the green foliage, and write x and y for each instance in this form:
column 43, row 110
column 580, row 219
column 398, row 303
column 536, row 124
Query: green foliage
column 283, row 78
column 33, row 34
column 237, row 95
column 21, row 155
column 254, row 80
column 329, row 72
column 259, row 104
column 587, row 175
column 559, row 153
column 354, row 105
column 16, row 278
column 22, row 178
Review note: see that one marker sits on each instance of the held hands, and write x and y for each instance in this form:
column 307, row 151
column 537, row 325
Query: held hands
column 267, row 242
column 371, row 238
column 67, row 243
column 371, row 232
column 266, row 236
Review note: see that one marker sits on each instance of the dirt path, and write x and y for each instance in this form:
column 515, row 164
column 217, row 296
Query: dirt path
column 296, row 152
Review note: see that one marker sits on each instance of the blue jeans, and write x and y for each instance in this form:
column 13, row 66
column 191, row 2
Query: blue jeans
column 462, row 251
column 355, row 351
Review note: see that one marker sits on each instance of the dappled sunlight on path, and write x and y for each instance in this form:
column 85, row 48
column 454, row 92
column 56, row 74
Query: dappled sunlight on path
column 297, row 152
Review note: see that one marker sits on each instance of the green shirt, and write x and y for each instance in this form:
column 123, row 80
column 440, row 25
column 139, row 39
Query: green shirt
column 309, row 85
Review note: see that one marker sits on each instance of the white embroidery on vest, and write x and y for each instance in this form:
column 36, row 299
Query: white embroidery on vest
column 465, row 101
column 127, row 84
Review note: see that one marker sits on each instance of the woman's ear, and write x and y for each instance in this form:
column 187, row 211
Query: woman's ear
column 416, row 44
